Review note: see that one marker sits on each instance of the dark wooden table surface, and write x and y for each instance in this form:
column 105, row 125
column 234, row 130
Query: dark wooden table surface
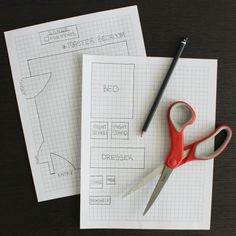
column 211, row 27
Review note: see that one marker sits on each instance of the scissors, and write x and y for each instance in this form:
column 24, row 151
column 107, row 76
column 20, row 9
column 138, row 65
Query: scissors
column 180, row 115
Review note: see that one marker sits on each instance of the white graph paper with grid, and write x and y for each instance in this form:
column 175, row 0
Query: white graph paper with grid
column 114, row 157
column 46, row 67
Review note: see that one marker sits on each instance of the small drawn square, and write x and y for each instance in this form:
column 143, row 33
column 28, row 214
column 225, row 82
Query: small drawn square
column 96, row 182
column 99, row 130
column 120, row 130
column 110, row 180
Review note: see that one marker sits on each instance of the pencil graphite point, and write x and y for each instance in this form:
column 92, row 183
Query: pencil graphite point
column 142, row 134
column 145, row 211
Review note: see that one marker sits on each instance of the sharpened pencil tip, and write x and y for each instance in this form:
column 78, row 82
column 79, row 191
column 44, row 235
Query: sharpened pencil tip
column 144, row 213
column 142, row 134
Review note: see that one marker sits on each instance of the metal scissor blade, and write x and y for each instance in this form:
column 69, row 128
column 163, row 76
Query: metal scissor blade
column 157, row 171
column 160, row 184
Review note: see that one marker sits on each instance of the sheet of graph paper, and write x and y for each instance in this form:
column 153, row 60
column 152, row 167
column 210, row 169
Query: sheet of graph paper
column 117, row 94
column 46, row 67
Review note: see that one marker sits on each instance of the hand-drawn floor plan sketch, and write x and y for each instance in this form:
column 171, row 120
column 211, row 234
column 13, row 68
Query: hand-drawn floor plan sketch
column 46, row 67
column 54, row 99
column 114, row 156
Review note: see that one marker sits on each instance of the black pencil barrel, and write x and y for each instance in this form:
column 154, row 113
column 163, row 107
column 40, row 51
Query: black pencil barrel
column 164, row 84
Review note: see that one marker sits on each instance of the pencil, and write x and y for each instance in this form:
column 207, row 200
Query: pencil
column 163, row 86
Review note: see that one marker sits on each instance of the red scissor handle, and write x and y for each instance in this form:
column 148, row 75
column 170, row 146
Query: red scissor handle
column 194, row 151
column 180, row 115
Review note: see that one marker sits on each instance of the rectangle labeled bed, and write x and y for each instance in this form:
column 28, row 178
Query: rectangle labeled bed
column 112, row 86
column 117, row 158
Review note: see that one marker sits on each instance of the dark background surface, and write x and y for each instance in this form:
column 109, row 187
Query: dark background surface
column 211, row 27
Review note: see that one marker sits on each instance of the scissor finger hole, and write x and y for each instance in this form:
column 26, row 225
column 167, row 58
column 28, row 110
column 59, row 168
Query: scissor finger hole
column 221, row 137
column 180, row 116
